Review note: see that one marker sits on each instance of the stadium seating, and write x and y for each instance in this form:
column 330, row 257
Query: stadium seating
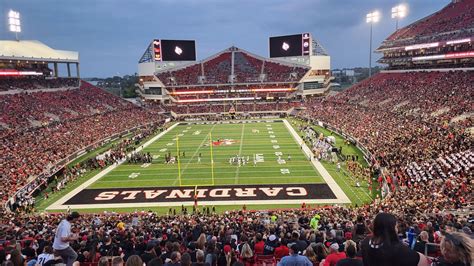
column 449, row 23
column 247, row 68
column 33, row 83
column 41, row 128
column 406, row 119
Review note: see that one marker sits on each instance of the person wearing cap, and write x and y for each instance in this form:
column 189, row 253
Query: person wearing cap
column 294, row 259
column 270, row 245
column 334, row 255
column 62, row 238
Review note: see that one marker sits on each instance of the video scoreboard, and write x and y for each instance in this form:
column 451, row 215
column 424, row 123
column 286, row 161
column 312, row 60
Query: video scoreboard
column 174, row 50
column 290, row 45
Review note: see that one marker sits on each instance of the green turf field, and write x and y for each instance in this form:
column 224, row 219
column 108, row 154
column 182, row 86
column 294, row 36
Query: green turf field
column 242, row 138
column 260, row 139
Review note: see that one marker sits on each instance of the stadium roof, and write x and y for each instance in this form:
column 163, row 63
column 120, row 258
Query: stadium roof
column 35, row 50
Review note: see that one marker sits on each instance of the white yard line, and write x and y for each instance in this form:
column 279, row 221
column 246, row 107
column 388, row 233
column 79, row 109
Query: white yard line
column 240, row 151
column 324, row 173
column 341, row 197
column 107, row 170
column 194, row 155
column 221, row 178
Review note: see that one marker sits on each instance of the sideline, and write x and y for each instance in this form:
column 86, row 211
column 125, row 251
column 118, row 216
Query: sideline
column 59, row 204
column 336, row 189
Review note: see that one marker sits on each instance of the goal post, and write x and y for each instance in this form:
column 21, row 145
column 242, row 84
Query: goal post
column 212, row 158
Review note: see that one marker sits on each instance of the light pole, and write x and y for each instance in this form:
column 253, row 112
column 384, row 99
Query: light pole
column 399, row 12
column 371, row 18
column 14, row 22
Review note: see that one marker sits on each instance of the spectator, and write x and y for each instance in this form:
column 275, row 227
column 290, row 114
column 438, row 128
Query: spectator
column 294, row 258
column 175, row 259
column 320, row 251
column 46, row 256
column 351, row 250
column 309, row 253
column 117, row 261
column 62, row 238
column 103, row 261
column 200, row 259
column 420, row 245
column 384, row 247
column 246, row 255
column 457, row 249
column 149, row 253
column 259, row 244
column 334, row 255
column 17, row 259
column 134, row 260
column 282, row 250
column 270, row 245
column 186, row 259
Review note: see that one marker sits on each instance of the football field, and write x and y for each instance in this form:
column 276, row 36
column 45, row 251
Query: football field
column 268, row 144
column 216, row 162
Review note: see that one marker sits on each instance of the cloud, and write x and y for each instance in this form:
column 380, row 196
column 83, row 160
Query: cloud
column 111, row 35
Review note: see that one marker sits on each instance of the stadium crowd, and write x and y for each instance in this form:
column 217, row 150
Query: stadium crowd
column 36, row 82
column 247, row 68
column 24, row 200
column 411, row 120
column 320, row 236
column 237, row 107
column 39, row 130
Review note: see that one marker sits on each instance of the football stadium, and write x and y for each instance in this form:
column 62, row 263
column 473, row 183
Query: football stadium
column 240, row 158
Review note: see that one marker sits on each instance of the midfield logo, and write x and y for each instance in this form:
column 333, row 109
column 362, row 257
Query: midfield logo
column 224, row 142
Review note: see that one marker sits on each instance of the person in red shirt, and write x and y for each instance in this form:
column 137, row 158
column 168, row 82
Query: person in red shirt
column 282, row 250
column 259, row 244
column 334, row 255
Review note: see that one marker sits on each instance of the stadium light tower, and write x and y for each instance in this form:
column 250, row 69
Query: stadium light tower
column 372, row 18
column 399, row 12
column 14, row 22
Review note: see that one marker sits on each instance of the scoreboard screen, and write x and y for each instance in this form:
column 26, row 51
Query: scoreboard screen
column 290, row 45
column 174, row 50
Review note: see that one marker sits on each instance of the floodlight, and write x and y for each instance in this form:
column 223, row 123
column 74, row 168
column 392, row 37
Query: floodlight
column 14, row 21
column 373, row 17
column 399, row 11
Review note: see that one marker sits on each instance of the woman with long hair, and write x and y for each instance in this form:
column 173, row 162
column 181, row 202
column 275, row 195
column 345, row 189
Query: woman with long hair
column 201, row 242
column 16, row 258
column 457, row 249
column 134, row 260
column 384, row 247
column 311, row 255
column 320, row 251
column 246, row 256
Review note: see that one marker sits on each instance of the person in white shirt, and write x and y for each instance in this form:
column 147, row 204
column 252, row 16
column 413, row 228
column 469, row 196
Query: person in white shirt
column 62, row 238
column 46, row 256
